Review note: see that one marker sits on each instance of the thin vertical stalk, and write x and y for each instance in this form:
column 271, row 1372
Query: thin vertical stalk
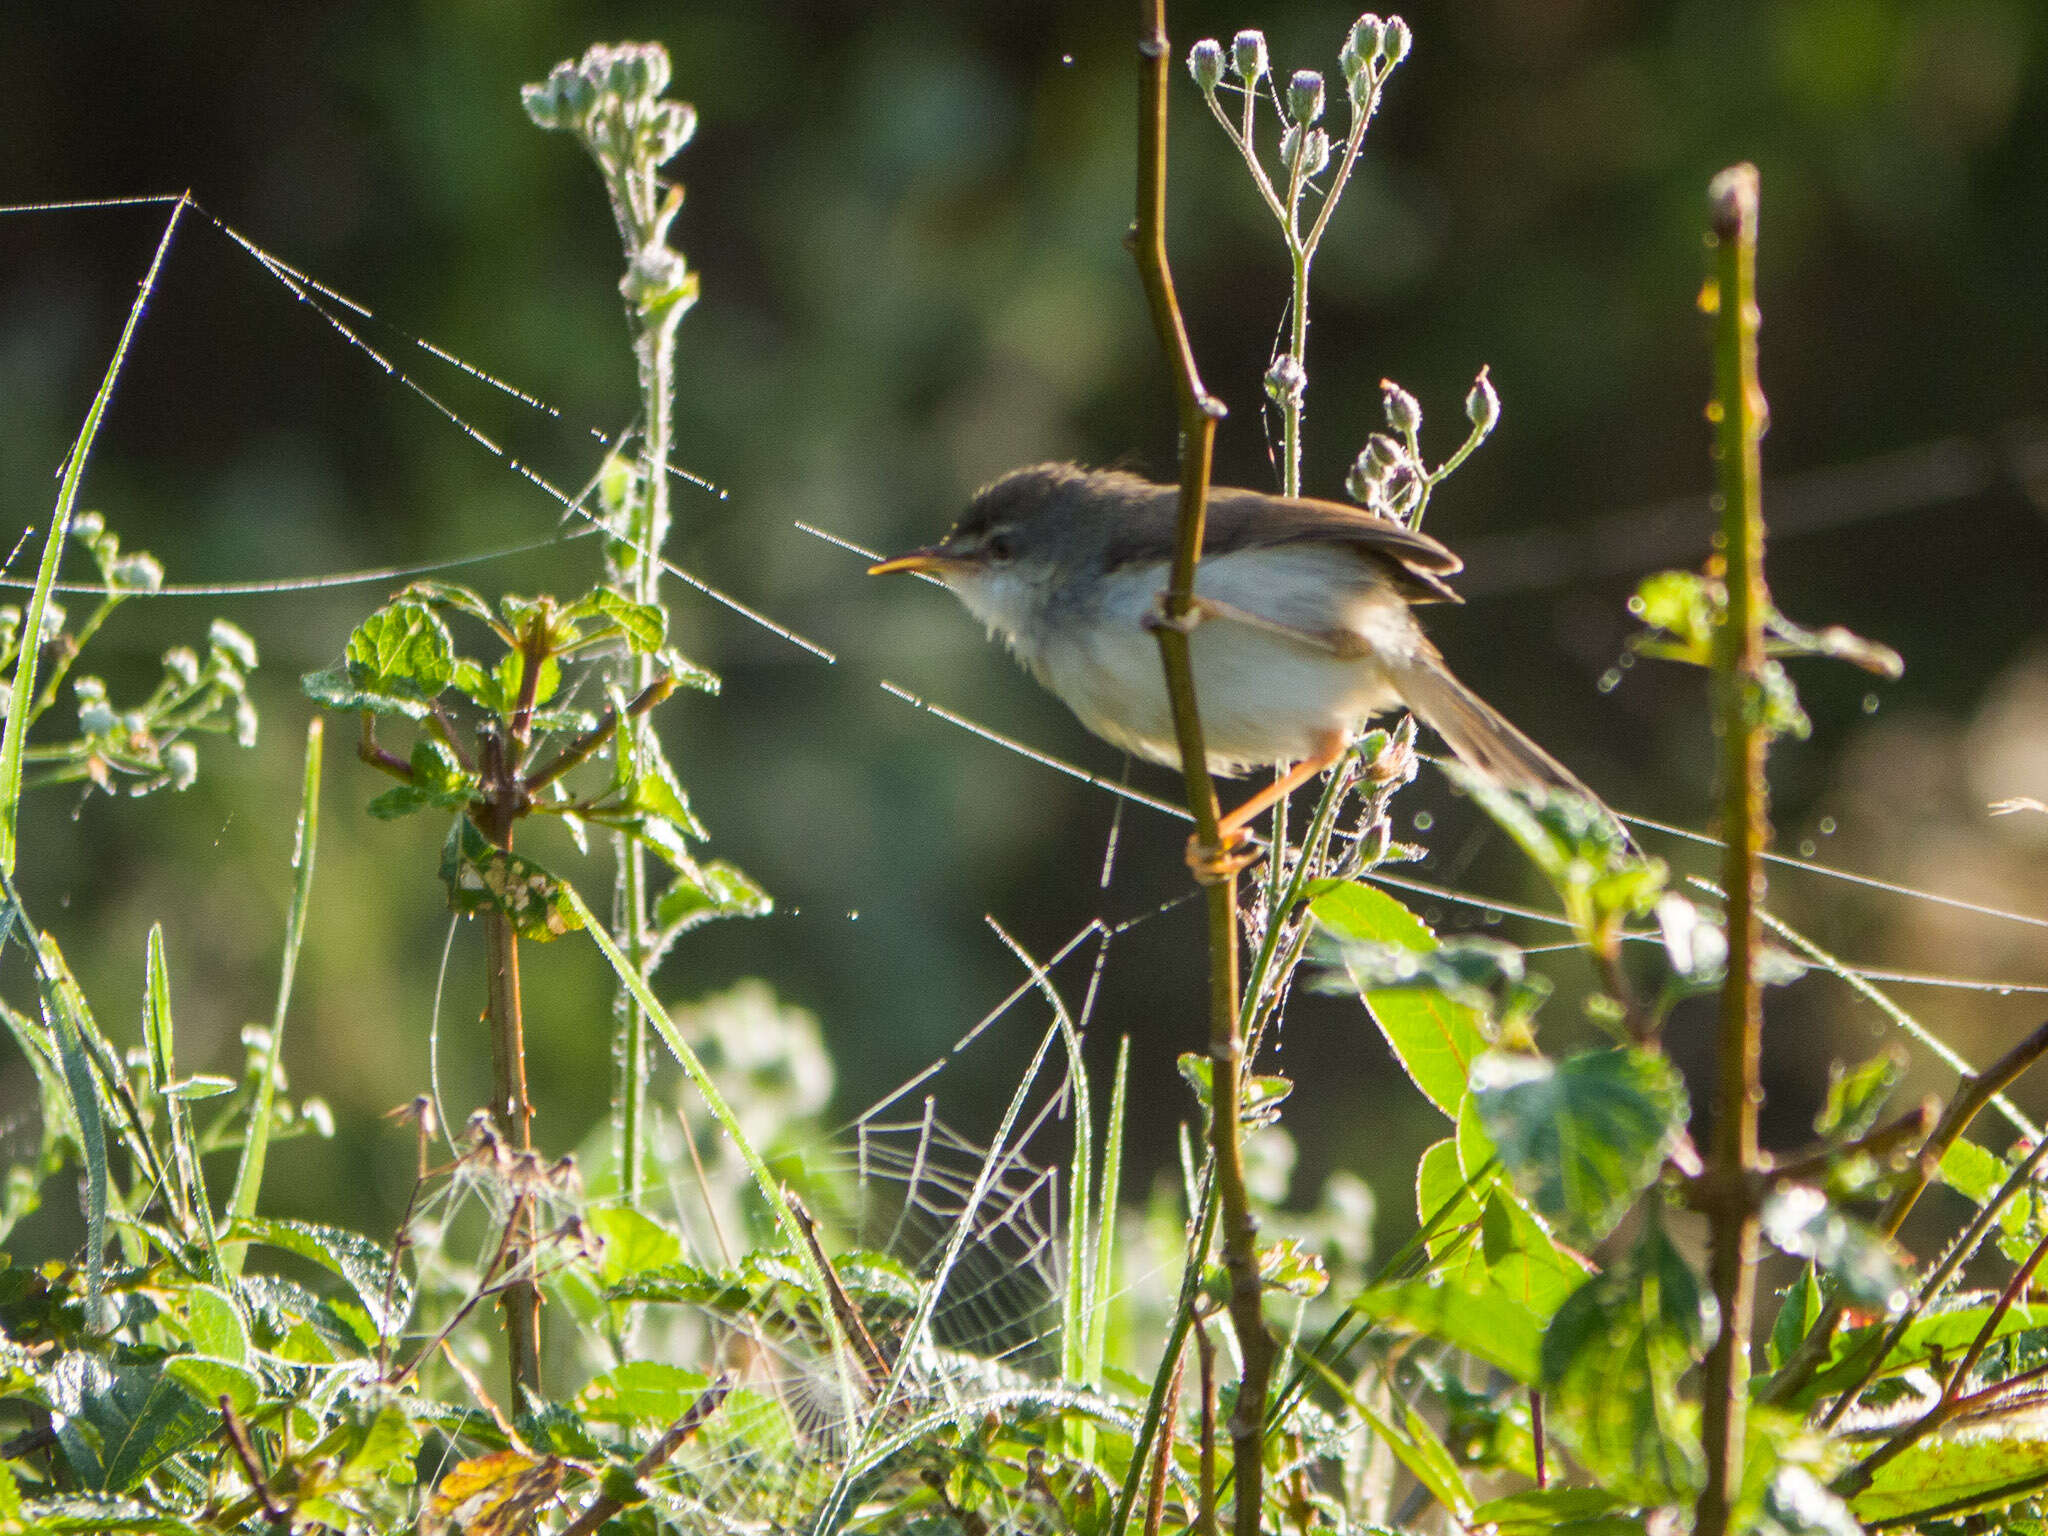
column 255, row 1151
column 509, row 1100
column 20, row 714
column 1199, row 412
column 1728, row 1186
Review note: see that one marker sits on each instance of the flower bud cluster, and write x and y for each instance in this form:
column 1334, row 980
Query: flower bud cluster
column 1286, row 380
column 1370, row 53
column 1385, row 478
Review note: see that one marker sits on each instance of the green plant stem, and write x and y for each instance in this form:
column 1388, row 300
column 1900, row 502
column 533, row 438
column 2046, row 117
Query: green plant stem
column 1977, row 1090
column 1727, row 1187
column 249, row 1172
column 509, row 1101
column 14, row 739
column 1199, row 412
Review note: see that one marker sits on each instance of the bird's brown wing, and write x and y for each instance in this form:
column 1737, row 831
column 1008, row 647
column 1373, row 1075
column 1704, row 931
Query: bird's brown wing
column 1246, row 520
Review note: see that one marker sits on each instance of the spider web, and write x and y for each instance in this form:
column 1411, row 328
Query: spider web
column 980, row 1229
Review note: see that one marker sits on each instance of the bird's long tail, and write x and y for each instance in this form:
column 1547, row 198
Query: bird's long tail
column 1481, row 736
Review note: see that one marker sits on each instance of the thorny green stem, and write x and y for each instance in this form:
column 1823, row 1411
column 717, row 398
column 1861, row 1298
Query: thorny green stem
column 1951, row 1264
column 1727, row 1190
column 1199, row 413
column 1948, row 1405
column 1976, row 1091
column 509, row 1101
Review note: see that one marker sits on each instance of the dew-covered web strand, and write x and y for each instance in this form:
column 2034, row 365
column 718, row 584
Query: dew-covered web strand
column 324, row 301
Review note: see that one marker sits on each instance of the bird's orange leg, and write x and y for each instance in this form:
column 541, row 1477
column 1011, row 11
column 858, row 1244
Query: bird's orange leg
column 1230, row 855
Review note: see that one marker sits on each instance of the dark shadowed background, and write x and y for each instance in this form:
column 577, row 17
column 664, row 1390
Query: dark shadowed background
column 908, row 222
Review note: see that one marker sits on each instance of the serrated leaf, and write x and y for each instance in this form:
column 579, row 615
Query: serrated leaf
column 1612, row 1361
column 1435, row 1039
column 1513, row 1251
column 209, row 1379
column 1581, row 1137
column 482, row 877
column 645, row 625
column 364, row 1264
column 214, row 1323
column 706, row 891
column 402, row 651
column 687, row 673
column 499, row 1494
column 141, row 1418
column 1984, row 1467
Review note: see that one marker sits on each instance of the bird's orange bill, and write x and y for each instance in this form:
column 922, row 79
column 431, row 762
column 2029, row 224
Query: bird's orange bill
column 921, row 561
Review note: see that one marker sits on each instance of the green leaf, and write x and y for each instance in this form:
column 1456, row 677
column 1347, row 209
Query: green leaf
column 706, row 891
column 1613, row 1358
column 1977, row 1468
column 645, row 625
column 1480, row 1319
column 641, row 1392
column 633, row 1244
column 1799, row 1219
column 208, row 1380
column 1514, row 1251
column 200, row 1085
column 1540, row 1511
column 1681, row 609
column 1289, row 1267
column 482, row 877
column 1435, row 1039
column 142, row 1418
column 1584, row 1136
column 364, row 1264
column 687, row 673
column 1856, row 1095
column 214, row 1323
column 66, row 1018
column 402, row 653
column 447, row 594
column 1799, row 1308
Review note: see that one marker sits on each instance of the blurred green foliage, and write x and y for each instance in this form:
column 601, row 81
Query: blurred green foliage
column 907, row 219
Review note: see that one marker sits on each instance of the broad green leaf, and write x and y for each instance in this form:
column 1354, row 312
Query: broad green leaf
column 645, row 625
column 214, row 1324
column 382, row 1447
column 641, row 1391
column 1582, row 1137
column 401, row 652
column 1480, row 1319
column 482, row 877
column 1540, row 1511
column 1435, row 1039
column 142, row 1418
column 633, row 1244
column 364, row 1264
column 1613, row 1358
column 447, row 594
column 1985, row 1466
column 1943, row 1334
column 208, row 1380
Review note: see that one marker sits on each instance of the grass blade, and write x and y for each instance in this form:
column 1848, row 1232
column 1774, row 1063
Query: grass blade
column 249, row 1173
column 15, row 739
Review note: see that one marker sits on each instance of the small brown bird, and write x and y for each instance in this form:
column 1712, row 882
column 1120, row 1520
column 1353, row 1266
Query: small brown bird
column 1305, row 625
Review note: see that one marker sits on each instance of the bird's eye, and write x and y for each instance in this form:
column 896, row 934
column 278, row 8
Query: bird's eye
column 1001, row 546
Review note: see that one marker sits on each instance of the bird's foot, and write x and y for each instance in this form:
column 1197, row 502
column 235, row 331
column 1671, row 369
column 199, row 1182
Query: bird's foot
column 1157, row 616
column 1214, row 865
